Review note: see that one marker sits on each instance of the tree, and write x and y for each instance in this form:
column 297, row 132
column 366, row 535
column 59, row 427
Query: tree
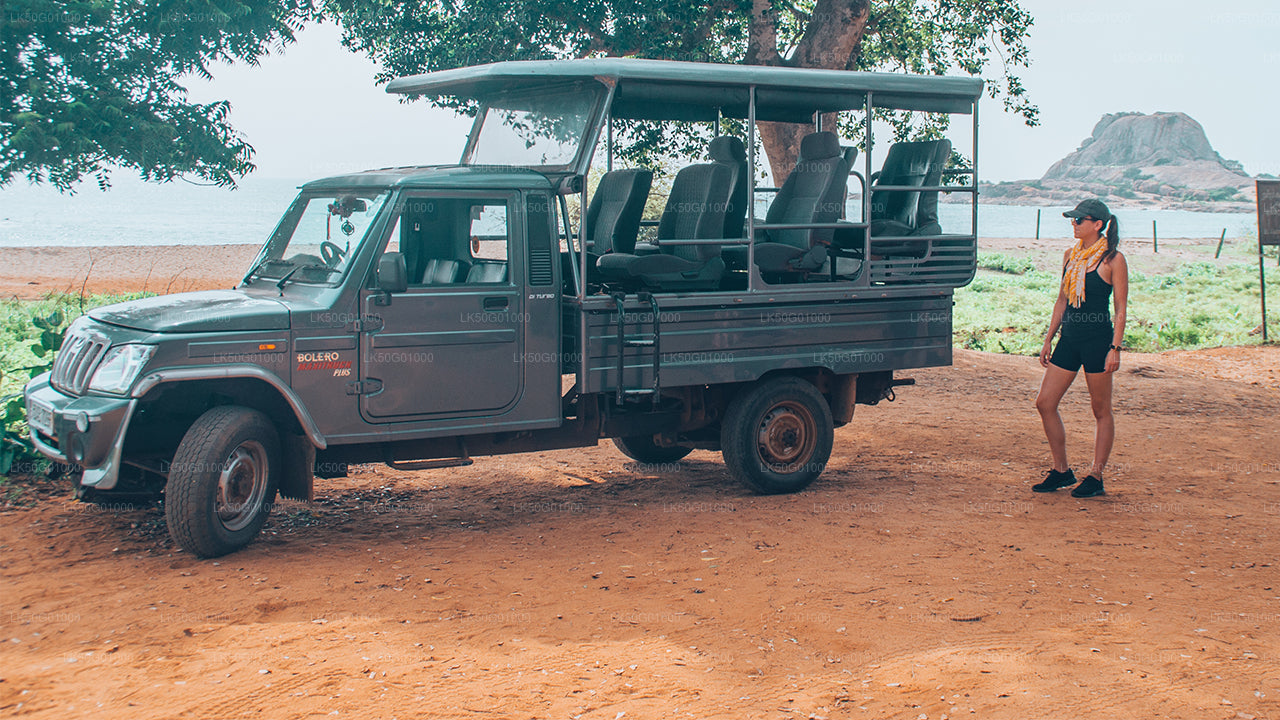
column 90, row 84
column 920, row 36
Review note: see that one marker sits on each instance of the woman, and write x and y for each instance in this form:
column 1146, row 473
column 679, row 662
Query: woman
column 1093, row 271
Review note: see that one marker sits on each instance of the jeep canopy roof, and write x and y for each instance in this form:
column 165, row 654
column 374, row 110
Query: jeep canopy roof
column 670, row 90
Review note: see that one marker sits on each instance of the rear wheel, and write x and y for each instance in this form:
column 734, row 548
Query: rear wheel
column 777, row 436
column 643, row 449
column 223, row 481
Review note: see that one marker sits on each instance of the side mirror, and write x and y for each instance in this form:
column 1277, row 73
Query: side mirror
column 393, row 274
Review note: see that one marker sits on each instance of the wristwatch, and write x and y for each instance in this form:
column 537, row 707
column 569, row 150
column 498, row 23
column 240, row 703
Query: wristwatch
column 1117, row 348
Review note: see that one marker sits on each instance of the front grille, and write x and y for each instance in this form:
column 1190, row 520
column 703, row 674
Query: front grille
column 76, row 361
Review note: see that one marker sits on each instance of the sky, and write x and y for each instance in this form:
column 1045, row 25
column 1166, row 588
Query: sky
column 314, row 109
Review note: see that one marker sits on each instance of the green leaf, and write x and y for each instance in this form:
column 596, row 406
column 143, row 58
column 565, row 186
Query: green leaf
column 38, row 350
column 50, row 340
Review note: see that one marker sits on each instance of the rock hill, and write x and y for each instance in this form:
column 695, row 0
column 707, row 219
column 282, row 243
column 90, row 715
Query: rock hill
column 1131, row 159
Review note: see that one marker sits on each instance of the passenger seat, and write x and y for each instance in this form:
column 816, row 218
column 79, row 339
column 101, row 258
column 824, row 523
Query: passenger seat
column 440, row 271
column 814, row 192
column 730, row 152
column 912, row 213
column 613, row 216
column 695, row 210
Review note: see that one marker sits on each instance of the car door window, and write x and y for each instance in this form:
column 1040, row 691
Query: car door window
column 453, row 241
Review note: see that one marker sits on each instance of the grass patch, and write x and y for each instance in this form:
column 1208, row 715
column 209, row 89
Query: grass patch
column 1197, row 305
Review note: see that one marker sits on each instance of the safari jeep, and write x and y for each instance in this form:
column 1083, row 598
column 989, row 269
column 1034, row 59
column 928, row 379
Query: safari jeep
column 423, row 316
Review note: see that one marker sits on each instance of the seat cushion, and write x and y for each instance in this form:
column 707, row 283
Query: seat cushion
column 487, row 272
column 661, row 272
column 780, row 258
column 441, row 271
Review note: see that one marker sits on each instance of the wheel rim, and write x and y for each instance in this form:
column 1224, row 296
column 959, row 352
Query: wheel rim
column 241, row 485
column 787, row 437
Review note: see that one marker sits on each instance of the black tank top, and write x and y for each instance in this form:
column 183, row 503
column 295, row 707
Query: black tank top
column 1093, row 317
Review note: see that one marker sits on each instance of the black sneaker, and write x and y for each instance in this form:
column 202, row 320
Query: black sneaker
column 1055, row 480
column 1090, row 487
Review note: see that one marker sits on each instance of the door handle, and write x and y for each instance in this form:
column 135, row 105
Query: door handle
column 495, row 303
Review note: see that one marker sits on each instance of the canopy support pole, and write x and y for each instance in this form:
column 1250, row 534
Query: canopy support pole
column 751, row 189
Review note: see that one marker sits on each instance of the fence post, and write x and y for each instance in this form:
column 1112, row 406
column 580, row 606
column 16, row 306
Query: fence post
column 1220, row 241
column 1037, row 223
column 1155, row 241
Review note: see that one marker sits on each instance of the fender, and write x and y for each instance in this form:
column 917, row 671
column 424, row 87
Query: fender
column 221, row 372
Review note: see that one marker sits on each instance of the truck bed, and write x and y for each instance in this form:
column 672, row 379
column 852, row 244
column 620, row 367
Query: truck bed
column 709, row 338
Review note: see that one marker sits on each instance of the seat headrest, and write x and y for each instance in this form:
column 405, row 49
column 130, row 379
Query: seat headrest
column 632, row 177
column 819, row 145
column 727, row 149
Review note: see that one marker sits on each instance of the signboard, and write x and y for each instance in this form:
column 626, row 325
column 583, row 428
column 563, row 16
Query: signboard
column 1268, row 212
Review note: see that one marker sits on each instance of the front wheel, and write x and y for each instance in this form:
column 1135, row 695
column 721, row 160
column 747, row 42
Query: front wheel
column 777, row 436
column 223, row 481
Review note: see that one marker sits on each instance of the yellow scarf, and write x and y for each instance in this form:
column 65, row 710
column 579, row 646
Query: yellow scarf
column 1078, row 263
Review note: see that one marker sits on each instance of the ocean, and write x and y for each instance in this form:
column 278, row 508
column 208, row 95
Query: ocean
column 179, row 213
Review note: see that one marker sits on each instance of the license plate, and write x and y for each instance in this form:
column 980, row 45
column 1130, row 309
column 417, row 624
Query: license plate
column 40, row 417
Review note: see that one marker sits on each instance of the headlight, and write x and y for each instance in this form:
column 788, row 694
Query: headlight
column 120, row 368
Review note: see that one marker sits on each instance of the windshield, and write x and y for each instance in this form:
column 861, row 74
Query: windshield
column 533, row 130
column 315, row 241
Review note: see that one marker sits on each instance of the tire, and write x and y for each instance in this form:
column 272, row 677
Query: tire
column 776, row 437
column 643, row 449
column 223, row 481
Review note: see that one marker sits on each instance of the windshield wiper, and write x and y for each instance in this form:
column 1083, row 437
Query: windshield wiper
column 310, row 266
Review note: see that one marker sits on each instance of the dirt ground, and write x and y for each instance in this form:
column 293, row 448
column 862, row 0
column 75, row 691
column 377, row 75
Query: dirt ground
column 918, row 578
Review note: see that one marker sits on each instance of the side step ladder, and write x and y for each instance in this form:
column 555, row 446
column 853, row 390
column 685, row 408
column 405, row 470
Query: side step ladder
column 644, row 340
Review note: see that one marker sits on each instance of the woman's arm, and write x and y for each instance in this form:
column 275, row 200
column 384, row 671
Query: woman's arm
column 1120, row 296
column 1055, row 322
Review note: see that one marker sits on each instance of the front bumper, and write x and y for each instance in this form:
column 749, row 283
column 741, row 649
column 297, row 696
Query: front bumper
column 55, row 421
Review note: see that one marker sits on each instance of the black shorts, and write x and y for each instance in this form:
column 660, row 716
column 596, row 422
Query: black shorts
column 1089, row 351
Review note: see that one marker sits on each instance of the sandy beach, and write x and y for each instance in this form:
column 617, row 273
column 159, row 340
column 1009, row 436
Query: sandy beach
column 29, row 273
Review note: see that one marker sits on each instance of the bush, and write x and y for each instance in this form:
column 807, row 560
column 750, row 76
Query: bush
column 31, row 333
column 1005, row 263
column 14, row 444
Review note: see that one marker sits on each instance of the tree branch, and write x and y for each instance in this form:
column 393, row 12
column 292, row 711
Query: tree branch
column 699, row 33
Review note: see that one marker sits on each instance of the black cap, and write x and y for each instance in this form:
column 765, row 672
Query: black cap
column 1090, row 208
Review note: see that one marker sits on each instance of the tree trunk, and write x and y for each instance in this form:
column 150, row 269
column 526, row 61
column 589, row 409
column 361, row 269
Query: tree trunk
column 830, row 41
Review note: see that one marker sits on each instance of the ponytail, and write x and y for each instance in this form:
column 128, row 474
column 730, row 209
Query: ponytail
column 1113, row 238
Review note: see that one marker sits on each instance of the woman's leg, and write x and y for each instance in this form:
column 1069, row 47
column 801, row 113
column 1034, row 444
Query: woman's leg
column 1100, row 398
column 1052, row 388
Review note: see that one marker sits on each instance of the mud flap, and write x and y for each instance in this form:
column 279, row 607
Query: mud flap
column 297, row 479
column 843, row 392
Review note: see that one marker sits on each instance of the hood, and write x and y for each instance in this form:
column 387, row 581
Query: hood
column 210, row 311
